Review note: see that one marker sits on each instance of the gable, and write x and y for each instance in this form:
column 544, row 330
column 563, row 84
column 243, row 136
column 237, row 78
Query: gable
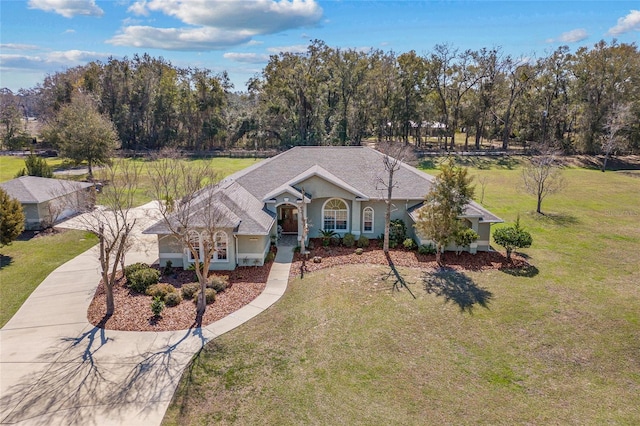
column 321, row 188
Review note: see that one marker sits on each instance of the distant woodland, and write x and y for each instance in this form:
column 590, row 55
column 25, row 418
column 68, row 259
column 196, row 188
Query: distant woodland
column 585, row 101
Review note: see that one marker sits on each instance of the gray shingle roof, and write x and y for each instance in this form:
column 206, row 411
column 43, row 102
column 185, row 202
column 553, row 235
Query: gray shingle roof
column 359, row 170
column 33, row 189
column 360, row 167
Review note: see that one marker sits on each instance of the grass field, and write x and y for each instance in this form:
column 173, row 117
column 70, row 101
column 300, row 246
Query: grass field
column 557, row 345
column 11, row 165
column 25, row 263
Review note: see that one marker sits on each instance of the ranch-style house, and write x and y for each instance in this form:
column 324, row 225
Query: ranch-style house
column 331, row 188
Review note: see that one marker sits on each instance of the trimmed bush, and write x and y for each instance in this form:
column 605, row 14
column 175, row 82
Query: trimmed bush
column 173, row 299
column 409, row 244
column 218, row 283
column 397, row 232
column 160, row 290
column 427, row 249
column 140, row 280
column 209, row 294
column 134, row 267
column 349, row 239
column 168, row 268
column 157, row 306
column 270, row 257
column 363, row 241
column 359, row 251
column 189, row 290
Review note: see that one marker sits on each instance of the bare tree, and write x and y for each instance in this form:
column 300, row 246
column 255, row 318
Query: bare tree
column 618, row 119
column 191, row 211
column 543, row 176
column 112, row 221
column 394, row 154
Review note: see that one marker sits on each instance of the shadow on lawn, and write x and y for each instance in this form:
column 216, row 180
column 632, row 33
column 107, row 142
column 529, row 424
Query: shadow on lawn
column 456, row 287
column 5, row 260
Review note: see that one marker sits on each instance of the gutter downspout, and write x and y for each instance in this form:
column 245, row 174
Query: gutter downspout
column 235, row 237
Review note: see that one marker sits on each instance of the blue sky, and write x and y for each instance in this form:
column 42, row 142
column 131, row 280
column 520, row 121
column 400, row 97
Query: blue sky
column 40, row 37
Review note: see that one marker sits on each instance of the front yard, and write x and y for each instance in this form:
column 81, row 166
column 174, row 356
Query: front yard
column 559, row 344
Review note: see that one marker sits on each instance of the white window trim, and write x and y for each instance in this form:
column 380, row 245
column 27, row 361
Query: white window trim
column 334, row 221
column 214, row 258
column 373, row 215
column 226, row 247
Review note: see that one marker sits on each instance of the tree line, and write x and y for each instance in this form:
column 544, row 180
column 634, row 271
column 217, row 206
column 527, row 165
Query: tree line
column 334, row 96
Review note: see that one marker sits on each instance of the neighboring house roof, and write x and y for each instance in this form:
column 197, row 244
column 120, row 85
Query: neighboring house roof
column 35, row 190
column 240, row 198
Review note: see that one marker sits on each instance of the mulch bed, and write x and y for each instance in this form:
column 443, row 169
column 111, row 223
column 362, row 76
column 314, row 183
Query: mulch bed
column 338, row 255
column 133, row 310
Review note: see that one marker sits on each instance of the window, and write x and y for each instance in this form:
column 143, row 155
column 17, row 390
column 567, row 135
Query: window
column 367, row 219
column 335, row 215
column 194, row 241
column 220, row 253
column 200, row 243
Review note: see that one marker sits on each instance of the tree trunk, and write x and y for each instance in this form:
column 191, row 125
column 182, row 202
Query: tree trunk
column 387, row 213
column 604, row 162
column 509, row 254
column 439, row 255
column 111, row 308
column 539, row 208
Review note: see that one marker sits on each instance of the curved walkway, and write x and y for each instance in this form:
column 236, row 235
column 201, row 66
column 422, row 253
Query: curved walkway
column 57, row 369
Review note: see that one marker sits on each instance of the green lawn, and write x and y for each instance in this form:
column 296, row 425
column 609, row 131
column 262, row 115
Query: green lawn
column 558, row 345
column 25, row 263
column 11, row 165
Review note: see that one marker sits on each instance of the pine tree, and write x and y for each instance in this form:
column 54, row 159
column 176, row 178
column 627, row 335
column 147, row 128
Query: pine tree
column 11, row 218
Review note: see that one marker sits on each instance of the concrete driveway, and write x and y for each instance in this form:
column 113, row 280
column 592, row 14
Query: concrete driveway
column 57, row 369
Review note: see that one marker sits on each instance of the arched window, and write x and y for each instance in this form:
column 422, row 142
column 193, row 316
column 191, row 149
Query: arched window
column 220, row 241
column 335, row 215
column 367, row 220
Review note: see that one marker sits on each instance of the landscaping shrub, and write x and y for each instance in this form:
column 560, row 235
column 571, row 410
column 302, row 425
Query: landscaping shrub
column 189, row 290
column 160, row 290
column 409, row 244
column 168, row 268
column 209, row 294
column 134, row 267
column 349, row 239
column 173, row 299
column 397, row 232
column 363, row 241
column 427, row 249
column 157, row 306
column 218, row 283
column 359, row 251
column 140, row 280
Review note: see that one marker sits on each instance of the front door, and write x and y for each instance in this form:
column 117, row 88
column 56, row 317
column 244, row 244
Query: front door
column 289, row 217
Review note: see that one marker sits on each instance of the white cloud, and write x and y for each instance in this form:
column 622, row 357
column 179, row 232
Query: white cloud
column 213, row 25
column 247, row 58
column 296, row 48
column 69, row 31
column 572, row 36
column 189, row 39
column 17, row 46
column 49, row 61
column 629, row 23
column 68, row 8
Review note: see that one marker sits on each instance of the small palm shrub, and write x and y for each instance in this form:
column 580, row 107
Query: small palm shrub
column 349, row 239
column 189, row 290
column 173, row 299
column 140, row 280
column 160, row 290
column 427, row 249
